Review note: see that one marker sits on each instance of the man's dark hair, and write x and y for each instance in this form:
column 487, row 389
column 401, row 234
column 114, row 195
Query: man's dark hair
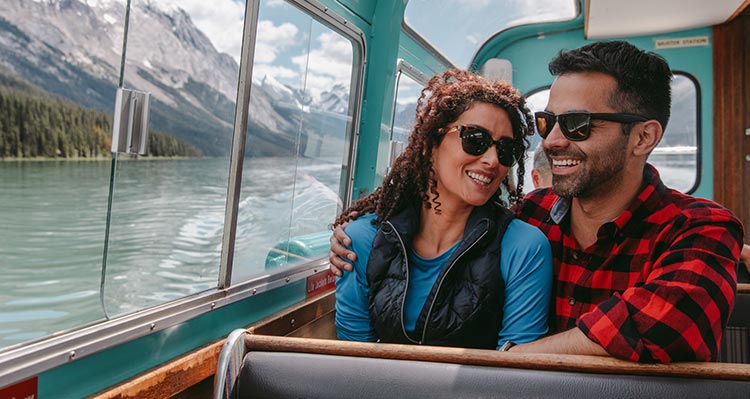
column 643, row 78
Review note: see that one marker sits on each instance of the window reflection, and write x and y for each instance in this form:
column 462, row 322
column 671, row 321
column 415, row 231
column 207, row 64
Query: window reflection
column 299, row 119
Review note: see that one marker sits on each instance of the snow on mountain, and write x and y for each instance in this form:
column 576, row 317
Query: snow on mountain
column 336, row 100
column 73, row 48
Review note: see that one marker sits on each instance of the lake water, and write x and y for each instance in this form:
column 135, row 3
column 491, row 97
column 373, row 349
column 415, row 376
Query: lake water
column 165, row 235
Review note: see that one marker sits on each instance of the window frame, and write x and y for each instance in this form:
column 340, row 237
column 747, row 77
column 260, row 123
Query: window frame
column 404, row 68
column 427, row 45
column 335, row 23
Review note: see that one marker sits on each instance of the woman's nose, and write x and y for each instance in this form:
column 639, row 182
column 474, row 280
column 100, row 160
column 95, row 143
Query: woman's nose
column 490, row 156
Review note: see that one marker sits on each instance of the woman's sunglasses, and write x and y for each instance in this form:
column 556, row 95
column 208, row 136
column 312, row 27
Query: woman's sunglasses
column 576, row 126
column 476, row 141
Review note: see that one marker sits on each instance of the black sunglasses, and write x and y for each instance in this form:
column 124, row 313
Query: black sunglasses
column 476, row 140
column 576, row 126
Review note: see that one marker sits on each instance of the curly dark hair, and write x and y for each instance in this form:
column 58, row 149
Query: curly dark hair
column 411, row 179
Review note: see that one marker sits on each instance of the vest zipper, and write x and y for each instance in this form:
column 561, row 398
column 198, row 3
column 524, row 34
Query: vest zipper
column 440, row 284
column 406, row 288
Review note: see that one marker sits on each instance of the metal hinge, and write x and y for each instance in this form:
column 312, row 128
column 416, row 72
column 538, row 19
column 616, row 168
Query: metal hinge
column 130, row 126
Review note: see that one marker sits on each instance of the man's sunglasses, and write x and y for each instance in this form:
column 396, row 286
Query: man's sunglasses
column 576, row 126
column 476, row 141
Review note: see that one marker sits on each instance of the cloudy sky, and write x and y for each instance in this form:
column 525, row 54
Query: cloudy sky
column 289, row 43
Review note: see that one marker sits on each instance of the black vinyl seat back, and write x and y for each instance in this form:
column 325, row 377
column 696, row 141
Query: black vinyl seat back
column 257, row 366
column 302, row 375
column 735, row 344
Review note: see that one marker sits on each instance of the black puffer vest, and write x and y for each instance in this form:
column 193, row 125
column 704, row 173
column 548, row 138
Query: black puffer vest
column 465, row 306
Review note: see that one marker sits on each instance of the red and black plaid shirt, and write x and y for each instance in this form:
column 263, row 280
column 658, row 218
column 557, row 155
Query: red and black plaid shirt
column 658, row 284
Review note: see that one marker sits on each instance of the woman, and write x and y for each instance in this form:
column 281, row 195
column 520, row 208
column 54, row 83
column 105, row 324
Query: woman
column 439, row 260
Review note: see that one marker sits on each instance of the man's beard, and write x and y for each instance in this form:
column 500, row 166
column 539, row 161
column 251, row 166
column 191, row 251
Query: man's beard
column 600, row 172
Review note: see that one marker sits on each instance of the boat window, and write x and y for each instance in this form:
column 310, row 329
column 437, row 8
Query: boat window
column 536, row 101
column 56, row 102
column 167, row 215
column 55, row 142
column 300, row 123
column 409, row 84
column 459, row 27
column 676, row 157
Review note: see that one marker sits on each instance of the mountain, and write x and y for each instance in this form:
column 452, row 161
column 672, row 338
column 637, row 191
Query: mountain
column 335, row 100
column 37, row 124
column 73, row 48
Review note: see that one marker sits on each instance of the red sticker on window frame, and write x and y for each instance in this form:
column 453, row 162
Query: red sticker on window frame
column 320, row 282
column 26, row 389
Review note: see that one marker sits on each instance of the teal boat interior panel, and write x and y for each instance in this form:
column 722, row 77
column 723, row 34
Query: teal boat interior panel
column 91, row 374
column 380, row 81
column 418, row 57
column 497, row 44
column 362, row 8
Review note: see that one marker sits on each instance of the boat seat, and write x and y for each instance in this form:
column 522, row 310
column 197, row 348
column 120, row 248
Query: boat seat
column 282, row 367
column 735, row 344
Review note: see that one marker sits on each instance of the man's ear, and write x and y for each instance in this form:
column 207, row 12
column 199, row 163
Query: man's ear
column 535, row 178
column 646, row 136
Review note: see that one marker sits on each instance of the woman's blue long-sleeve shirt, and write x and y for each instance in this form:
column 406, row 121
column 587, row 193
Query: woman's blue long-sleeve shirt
column 525, row 264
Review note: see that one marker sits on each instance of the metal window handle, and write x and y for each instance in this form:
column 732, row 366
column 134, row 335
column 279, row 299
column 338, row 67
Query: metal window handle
column 130, row 126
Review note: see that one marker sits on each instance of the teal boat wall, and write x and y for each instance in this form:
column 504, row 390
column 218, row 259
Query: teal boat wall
column 379, row 90
column 91, row 374
column 386, row 43
column 364, row 9
column 530, row 48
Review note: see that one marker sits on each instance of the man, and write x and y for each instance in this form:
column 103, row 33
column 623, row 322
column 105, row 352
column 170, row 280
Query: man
column 541, row 173
column 642, row 272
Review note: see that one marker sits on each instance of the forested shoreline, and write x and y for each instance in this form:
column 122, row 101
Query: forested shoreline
column 34, row 125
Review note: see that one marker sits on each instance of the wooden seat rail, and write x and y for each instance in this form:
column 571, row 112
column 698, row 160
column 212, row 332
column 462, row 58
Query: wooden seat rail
column 478, row 357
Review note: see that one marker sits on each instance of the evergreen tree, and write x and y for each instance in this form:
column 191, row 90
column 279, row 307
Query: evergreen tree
column 35, row 125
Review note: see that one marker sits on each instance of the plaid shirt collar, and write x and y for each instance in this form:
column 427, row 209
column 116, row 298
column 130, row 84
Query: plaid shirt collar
column 646, row 203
